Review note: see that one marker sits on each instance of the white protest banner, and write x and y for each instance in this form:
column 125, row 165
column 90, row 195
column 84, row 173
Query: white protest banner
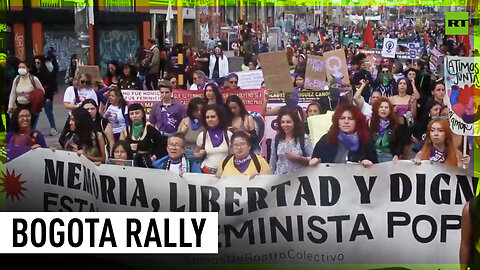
column 389, row 47
column 334, row 213
column 250, row 79
column 461, row 83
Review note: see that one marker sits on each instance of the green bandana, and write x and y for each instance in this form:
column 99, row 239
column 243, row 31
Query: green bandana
column 385, row 79
column 137, row 130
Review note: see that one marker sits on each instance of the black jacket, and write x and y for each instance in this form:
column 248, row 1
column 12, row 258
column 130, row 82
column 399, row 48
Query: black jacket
column 327, row 152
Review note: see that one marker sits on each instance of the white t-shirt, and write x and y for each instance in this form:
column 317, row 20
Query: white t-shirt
column 367, row 110
column 115, row 117
column 214, row 155
column 83, row 94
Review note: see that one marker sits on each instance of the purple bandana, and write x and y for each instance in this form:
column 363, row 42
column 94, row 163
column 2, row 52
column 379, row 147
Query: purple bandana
column 383, row 126
column 242, row 164
column 216, row 136
column 437, row 156
column 350, row 141
column 195, row 123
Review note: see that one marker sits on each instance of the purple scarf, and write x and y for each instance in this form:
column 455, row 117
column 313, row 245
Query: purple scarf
column 383, row 126
column 350, row 141
column 437, row 156
column 242, row 164
column 195, row 123
column 216, row 136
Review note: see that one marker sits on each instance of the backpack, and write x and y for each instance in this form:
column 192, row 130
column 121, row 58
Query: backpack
column 254, row 159
column 36, row 97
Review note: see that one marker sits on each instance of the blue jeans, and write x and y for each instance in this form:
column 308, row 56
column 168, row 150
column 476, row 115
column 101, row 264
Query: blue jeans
column 384, row 157
column 49, row 113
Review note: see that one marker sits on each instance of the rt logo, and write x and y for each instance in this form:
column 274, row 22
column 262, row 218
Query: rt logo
column 456, row 23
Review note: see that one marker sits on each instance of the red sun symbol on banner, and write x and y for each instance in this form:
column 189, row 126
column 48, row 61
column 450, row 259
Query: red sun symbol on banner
column 12, row 185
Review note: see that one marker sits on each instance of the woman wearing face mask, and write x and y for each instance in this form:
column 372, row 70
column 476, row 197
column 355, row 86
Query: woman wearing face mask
column 405, row 100
column 384, row 82
column 145, row 140
column 218, row 64
column 292, row 148
column 382, row 130
column 100, row 124
column 213, row 144
column 212, row 94
column 22, row 86
column 82, row 137
column 347, row 141
column 192, row 126
column 48, row 81
column 439, row 146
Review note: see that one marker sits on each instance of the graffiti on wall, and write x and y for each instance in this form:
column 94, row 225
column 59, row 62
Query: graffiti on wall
column 119, row 45
column 65, row 43
column 20, row 46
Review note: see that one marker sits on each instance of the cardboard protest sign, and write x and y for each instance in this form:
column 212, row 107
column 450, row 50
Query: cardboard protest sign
column 315, row 75
column 389, row 47
column 336, row 66
column 251, row 79
column 93, row 71
column 461, row 83
column 276, row 72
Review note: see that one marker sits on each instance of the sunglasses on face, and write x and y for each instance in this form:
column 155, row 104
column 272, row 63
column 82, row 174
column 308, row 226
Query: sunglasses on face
column 233, row 81
column 84, row 82
column 384, row 71
column 38, row 63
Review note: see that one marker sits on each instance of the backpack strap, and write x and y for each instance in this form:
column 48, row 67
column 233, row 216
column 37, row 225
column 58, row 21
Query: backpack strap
column 225, row 136
column 256, row 162
column 32, row 81
column 226, row 160
column 77, row 97
column 204, row 138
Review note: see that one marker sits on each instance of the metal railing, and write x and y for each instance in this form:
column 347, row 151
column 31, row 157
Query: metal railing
column 59, row 4
column 120, row 5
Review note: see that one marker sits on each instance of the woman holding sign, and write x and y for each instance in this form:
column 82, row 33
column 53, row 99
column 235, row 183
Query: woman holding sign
column 347, row 141
column 292, row 147
column 439, row 146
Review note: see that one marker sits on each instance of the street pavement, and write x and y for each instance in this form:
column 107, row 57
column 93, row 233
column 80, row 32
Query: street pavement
column 61, row 115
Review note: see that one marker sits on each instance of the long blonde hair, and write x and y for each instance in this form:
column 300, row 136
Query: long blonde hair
column 451, row 158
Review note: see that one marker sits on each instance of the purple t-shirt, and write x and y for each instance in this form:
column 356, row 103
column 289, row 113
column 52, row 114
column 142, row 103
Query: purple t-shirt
column 167, row 118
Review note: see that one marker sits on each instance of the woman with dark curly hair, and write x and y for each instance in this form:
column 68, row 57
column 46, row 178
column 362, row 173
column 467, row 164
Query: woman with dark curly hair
column 113, row 73
column 82, row 137
column 129, row 79
column 348, row 140
column 382, row 130
column 213, row 144
column 21, row 132
column 292, row 148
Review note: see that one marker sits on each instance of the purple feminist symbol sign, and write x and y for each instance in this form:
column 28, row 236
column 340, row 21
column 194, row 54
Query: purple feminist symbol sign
column 389, row 46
